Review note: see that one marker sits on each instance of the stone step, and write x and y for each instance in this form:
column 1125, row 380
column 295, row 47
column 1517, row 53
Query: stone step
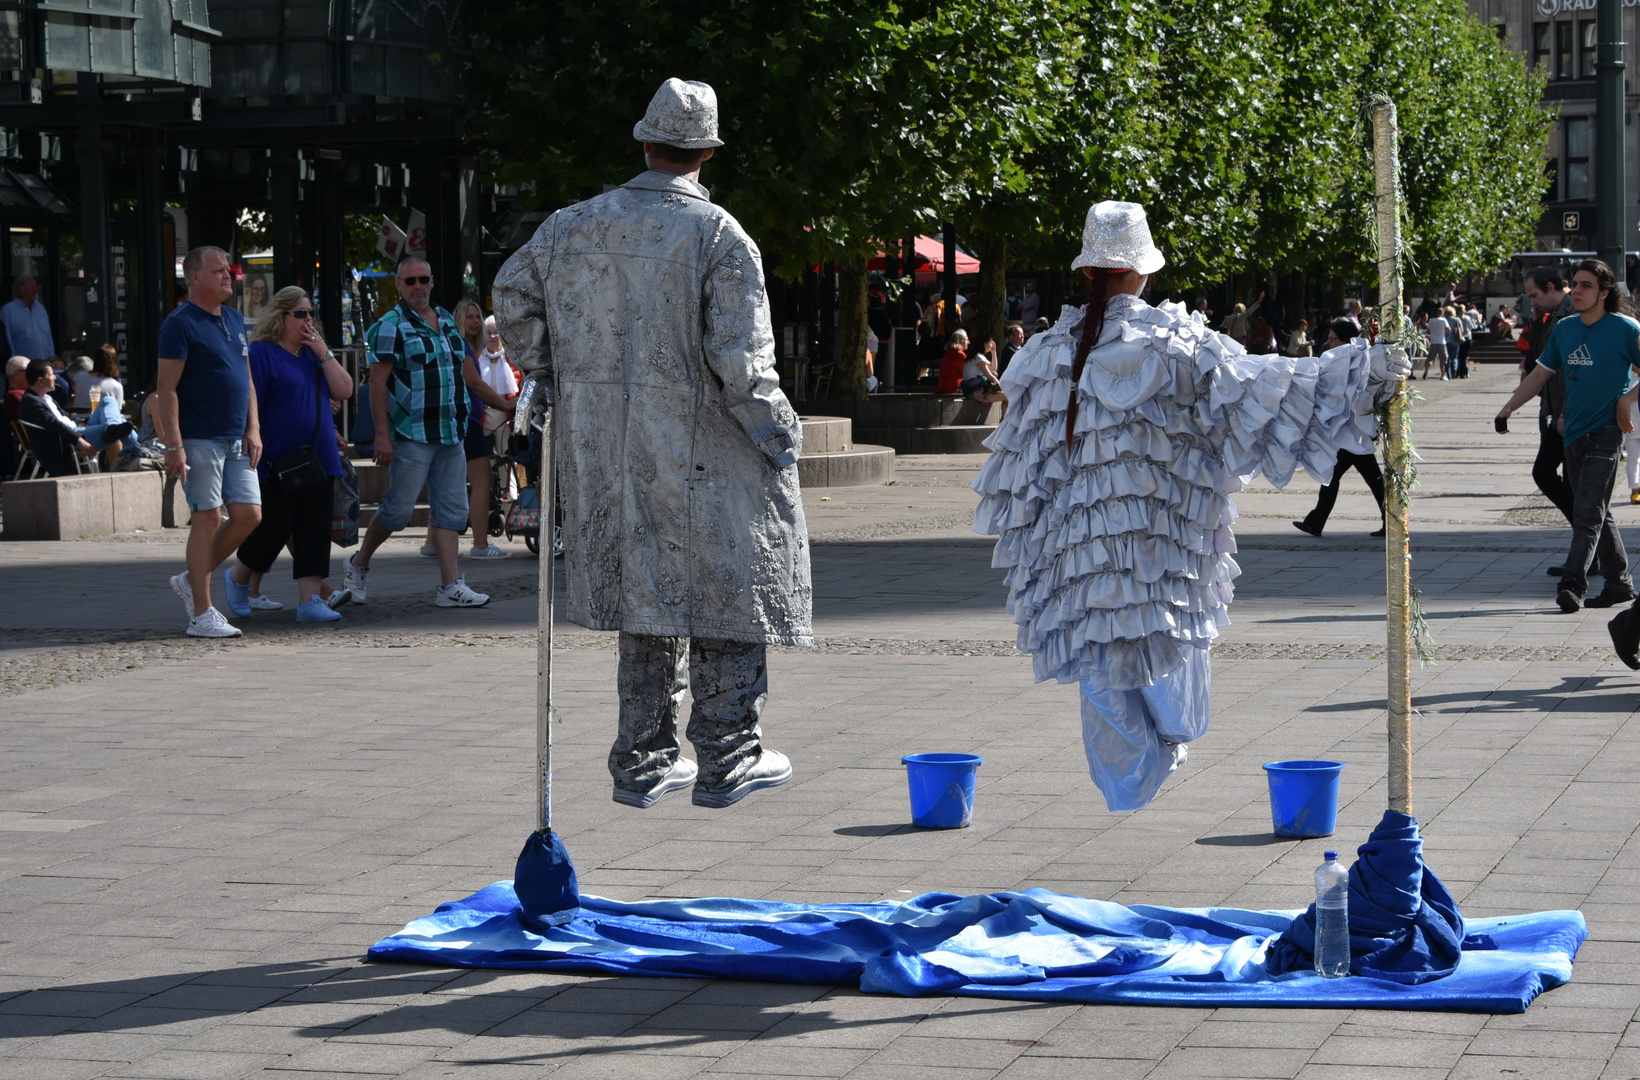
column 915, row 410
column 826, row 434
column 831, row 457
column 68, row 507
column 860, row 464
column 947, row 439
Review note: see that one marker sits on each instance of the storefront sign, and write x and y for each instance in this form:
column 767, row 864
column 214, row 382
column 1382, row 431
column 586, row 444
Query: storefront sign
column 1548, row 9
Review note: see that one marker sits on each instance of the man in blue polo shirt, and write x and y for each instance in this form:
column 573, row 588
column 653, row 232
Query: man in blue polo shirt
column 1597, row 353
column 207, row 421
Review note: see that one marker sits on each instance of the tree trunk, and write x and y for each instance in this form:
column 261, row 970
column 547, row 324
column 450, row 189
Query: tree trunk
column 848, row 378
column 990, row 314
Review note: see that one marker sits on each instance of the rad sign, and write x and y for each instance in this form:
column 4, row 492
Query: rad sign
column 1548, row 9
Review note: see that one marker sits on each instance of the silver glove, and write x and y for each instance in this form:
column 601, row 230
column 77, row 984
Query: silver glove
column 530, row 410
column 1390, row 364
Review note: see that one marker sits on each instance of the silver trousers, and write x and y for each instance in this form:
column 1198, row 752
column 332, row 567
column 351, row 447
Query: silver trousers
column 729, row 681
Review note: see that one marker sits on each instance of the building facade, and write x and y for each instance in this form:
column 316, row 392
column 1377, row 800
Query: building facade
column 1558, row 37
column 130, row 129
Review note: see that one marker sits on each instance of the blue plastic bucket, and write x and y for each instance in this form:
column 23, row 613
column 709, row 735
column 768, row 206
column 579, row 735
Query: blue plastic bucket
column 942, row 789
column 1304, row 797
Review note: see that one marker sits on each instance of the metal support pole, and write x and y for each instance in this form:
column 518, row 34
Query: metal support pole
column 331, row 228
column 94, row 238
column 1398, row 553
column 1610, row 153
column 155, row 264
column 282, row 178
column 543, row 669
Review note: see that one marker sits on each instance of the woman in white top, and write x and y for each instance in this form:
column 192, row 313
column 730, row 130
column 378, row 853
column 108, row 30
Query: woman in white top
column 979, row 373
column 1438, row 334
column 108, row 411
column 496, row 372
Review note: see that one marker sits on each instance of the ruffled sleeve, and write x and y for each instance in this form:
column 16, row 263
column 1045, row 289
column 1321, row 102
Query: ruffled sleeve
column 1274, row 414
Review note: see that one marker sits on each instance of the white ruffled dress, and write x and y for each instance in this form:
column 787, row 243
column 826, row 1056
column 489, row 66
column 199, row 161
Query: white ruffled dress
column 1119, row 553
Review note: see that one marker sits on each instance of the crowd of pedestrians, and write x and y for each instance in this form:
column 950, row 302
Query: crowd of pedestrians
column 244, row 418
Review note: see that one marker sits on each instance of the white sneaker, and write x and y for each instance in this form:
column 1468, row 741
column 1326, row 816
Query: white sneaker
column 183, row 588
column 212, row 625
column 354, row 580
column 489, row 551
column 338, row 598
column 459, row 595
column 428, row 551
column 263, row 603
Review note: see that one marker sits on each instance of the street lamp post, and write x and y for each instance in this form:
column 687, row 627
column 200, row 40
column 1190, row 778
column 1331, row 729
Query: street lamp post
column 1609, row 148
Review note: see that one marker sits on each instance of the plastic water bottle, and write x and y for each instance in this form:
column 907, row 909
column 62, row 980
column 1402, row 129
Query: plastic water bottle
column 1332, row 919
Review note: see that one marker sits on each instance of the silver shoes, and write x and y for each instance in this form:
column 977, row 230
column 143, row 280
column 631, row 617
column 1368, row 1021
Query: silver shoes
column 681, row 775
column 772, row 769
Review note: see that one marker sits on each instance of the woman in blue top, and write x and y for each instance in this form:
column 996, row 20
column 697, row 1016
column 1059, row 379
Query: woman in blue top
column 295, row 376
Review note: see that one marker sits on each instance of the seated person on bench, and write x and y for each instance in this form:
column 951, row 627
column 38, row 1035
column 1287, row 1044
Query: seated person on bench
column 52, row 435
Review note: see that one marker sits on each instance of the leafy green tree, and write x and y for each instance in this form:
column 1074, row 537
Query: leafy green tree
column 1236, row 123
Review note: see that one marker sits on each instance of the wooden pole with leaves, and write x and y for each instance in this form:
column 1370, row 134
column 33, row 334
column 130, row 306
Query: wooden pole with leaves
column 1392, row 328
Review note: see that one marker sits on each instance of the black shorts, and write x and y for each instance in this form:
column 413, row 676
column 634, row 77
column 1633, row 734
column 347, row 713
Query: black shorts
column 477, row 444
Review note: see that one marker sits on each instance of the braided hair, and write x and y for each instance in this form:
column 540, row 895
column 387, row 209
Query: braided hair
column 1093, row 324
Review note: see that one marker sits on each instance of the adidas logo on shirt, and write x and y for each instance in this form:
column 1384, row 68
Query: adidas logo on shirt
column 1580, row 355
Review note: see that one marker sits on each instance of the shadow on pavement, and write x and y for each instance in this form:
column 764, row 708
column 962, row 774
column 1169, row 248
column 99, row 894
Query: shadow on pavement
column 1544, row 700
column 648, row 1013
column 1246, row 840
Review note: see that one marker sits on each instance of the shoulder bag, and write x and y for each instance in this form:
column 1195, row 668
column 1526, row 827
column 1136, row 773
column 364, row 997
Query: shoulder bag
column 301, row 473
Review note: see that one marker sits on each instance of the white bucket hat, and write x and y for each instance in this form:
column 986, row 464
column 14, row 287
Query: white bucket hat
column 682, row 114
column 1117, row 237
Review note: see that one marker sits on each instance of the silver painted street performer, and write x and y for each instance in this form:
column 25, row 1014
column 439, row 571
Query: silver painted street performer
column 1109, row 487
column 682, row 520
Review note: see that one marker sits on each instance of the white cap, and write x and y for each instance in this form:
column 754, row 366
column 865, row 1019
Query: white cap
column 682, row 114
column 1117, row 237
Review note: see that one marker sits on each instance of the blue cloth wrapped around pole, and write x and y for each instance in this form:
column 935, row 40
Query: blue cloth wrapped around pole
column 1032, row 945
column 1404, row 925
column 544, row 881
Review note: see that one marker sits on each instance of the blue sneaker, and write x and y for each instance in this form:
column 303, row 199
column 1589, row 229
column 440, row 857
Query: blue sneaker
column 239, row 596
column 316, row 610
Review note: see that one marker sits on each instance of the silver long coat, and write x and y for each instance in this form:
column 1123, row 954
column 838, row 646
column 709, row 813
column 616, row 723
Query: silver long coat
column 675, row 447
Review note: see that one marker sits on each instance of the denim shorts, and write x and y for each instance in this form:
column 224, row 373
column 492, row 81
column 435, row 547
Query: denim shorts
column 442, row 468
column 219, row 472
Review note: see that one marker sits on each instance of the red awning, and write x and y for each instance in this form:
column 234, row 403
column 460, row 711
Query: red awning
column 930, row 258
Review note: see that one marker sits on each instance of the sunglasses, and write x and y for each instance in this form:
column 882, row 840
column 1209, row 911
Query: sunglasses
column 301, row 312
column 424, row 280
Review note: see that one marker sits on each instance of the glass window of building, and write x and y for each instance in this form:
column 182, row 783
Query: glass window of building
column 1577, row 157
column 1585, row 55
column 1540, row 44
column 28, row 252
column 1563, row 50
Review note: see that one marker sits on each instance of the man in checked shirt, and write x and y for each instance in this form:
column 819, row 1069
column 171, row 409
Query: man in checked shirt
column 419, row 404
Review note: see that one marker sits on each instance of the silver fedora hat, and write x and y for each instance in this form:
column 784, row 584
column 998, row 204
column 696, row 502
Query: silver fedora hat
column 1117, row 237
column 682, row 114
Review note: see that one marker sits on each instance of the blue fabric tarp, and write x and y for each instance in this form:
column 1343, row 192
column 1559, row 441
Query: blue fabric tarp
column 1032, row 945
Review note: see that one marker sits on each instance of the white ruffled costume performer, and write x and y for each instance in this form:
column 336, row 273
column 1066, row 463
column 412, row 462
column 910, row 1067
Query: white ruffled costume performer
column 1119, row 552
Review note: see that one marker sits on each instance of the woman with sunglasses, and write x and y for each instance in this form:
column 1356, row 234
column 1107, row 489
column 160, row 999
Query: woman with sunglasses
column 295, row 376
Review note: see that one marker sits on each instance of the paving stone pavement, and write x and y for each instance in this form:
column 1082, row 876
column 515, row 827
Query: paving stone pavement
column 199, row 840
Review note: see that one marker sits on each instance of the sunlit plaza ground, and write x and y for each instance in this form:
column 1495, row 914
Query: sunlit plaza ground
column 198, row 841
